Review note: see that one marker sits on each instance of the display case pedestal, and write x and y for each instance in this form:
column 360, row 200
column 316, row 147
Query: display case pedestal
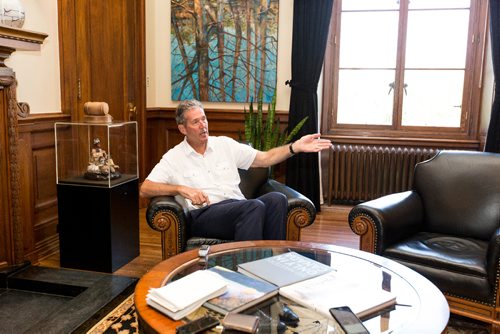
column 98, row 226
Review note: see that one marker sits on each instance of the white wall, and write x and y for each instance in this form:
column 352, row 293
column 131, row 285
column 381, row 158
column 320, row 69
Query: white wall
column 158, row 56
column 37, row 72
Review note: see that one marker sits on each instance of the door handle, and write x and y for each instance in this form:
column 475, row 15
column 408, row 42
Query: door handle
column 132, row 112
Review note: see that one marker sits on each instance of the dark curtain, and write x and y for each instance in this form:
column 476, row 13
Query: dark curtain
column 493, row 137
column 311, row 20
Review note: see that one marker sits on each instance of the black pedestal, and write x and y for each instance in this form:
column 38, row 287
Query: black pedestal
column 98, row 226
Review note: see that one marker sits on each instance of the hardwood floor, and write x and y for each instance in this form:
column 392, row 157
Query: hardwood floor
column 330, row 227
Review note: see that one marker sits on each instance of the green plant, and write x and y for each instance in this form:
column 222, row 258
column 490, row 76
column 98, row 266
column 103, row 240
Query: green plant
column 266, row 134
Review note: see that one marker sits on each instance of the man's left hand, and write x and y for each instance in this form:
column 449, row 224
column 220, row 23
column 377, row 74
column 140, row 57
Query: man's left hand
column 311, row 143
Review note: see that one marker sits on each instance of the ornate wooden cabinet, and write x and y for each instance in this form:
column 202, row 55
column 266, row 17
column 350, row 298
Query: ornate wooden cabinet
column 12, row 222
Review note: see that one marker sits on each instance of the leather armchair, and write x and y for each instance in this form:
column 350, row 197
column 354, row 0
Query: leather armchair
column 167, row 216
column 447, row 228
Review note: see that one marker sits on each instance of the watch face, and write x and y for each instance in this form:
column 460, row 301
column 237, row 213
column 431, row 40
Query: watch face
column 203, row 251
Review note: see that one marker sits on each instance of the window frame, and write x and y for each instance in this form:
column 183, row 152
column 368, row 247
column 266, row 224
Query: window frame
column 466, row 136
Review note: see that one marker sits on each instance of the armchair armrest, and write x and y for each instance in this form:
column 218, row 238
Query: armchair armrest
column 167, row 216
column 301, row 211
column 386, row 220
column 492, row 265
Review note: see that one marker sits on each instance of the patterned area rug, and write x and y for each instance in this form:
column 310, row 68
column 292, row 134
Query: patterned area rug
column 123, row 320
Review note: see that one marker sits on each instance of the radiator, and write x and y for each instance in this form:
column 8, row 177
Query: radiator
column 358, row 173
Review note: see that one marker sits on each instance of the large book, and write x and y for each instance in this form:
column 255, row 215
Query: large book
column 284, row 269
column 332, row 290
column 242, row 292
column 181, row 297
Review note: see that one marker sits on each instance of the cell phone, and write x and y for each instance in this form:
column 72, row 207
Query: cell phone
column 198, row 325
column 348, row 321
column 241, row 322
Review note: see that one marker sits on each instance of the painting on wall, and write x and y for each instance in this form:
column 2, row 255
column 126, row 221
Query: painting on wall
column 224, row 50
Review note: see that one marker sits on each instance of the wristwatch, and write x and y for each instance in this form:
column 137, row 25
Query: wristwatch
column 203, row 251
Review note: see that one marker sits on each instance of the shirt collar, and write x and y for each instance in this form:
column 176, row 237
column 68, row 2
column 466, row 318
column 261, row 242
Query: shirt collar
column 188, row 149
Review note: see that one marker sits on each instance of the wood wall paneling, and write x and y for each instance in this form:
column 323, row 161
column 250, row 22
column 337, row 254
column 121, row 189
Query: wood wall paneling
column 38, row 184
column 162, row 133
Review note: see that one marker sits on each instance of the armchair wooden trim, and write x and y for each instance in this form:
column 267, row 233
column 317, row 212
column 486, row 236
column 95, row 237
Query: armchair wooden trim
column 364, row 226
column 164, row 215
column 301, row 211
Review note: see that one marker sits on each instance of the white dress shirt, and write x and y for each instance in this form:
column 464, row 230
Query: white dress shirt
column 215, row 172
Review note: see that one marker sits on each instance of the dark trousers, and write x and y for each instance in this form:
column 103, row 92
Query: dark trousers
column 263, row 218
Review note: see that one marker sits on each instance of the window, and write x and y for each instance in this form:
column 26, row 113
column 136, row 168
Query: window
column 407, row 68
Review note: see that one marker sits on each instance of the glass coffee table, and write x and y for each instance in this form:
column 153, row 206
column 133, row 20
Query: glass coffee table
column 420, row 306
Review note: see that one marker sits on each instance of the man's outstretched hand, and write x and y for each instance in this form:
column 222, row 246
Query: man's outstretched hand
column 311, row 143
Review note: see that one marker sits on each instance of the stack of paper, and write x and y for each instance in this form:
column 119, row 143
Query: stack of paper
column 331, row 290
column 181, row 297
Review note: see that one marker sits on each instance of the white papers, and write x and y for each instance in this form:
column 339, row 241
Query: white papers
column 179, row 298
column 331, row 290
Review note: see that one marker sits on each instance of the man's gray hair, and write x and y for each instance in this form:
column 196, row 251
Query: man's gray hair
column 186, row 106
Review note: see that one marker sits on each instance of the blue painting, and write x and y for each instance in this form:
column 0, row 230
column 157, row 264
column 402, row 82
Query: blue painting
column 224, row 50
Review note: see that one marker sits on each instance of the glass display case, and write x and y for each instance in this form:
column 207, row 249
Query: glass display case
column 93, row 154
column 97, row 194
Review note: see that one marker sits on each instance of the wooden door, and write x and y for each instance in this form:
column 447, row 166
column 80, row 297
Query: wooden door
column 102, row 49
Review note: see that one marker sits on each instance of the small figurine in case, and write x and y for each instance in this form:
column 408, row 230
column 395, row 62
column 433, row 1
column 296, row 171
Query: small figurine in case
column 241, row 322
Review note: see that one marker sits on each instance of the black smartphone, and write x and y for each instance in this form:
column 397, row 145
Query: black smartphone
column 348, row 321
column 198, row 325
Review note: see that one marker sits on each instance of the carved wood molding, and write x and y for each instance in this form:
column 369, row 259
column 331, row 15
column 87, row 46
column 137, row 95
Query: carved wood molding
column 17, row 224
column 23, row 109
column 21, row 39
column 12, row 39
column 14, row 110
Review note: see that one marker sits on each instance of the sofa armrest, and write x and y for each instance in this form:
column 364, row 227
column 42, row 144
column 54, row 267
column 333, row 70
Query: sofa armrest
column 167, row 216
column 301, row 211
column 386, row 220
column 492, row 265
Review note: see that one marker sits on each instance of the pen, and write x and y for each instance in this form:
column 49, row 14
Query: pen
column 403, row 305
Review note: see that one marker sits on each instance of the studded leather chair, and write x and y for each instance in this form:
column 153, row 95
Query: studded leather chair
column 447, row 228
column 167, row 216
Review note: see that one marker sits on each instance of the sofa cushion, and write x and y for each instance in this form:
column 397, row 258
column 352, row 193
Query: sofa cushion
column 455, row 265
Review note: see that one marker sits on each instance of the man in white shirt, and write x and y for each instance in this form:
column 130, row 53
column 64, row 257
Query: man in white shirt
column 202, row 173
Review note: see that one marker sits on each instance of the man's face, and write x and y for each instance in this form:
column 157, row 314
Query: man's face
column 195, row 126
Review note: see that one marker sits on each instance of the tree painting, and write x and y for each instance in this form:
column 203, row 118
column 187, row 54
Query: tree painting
column 224, row 50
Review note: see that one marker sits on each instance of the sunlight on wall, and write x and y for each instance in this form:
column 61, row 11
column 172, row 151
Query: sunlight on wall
column 37, row 72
